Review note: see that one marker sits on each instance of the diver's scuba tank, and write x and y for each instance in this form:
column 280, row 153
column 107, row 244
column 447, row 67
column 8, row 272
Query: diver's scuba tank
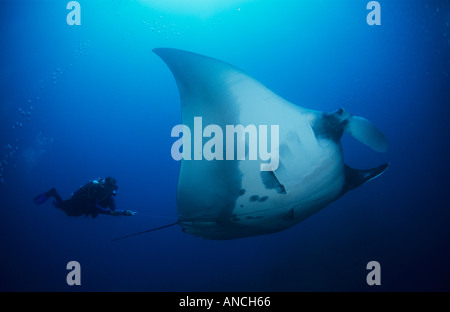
column 88, row 190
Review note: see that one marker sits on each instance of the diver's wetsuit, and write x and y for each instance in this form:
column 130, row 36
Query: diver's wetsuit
column 91, row 199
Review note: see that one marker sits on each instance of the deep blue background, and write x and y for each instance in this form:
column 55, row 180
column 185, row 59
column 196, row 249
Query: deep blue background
column 107, row 105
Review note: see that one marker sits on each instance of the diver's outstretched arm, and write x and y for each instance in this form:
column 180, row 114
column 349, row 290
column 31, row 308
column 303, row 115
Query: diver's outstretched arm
column 115, row 212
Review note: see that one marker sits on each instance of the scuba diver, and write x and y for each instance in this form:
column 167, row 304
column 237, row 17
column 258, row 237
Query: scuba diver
column 94, row 198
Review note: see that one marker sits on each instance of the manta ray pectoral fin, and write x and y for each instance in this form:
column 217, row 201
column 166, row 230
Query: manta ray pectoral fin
column 364, row 131
column 223, row 96
column 355, row 177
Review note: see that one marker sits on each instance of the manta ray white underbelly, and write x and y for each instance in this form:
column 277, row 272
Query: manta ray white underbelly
column 227, row 199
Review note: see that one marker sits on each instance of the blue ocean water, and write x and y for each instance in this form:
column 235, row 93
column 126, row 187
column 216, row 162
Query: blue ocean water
column 88, row 101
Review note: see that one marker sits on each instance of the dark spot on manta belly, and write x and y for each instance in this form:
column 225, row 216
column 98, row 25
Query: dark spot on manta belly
column 271, row 182
column 254, row 217
column 257, row 198
column 241, row 192
column 329, row 125
column 263, row 199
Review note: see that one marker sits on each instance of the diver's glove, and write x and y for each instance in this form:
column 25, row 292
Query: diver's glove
column 116, row 213
column 129, row 213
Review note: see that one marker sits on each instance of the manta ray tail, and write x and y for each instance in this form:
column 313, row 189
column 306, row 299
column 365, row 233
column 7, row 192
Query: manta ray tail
column 146, row 231
column 355, row 177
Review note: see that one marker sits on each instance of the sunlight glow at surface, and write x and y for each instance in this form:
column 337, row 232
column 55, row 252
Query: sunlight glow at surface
column 194, row 7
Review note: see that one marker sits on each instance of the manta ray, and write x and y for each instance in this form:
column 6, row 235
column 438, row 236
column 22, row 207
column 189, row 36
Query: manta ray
column 229, row 199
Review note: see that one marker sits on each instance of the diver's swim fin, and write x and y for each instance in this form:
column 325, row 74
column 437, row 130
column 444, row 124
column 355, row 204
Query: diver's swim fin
column 40, row 199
